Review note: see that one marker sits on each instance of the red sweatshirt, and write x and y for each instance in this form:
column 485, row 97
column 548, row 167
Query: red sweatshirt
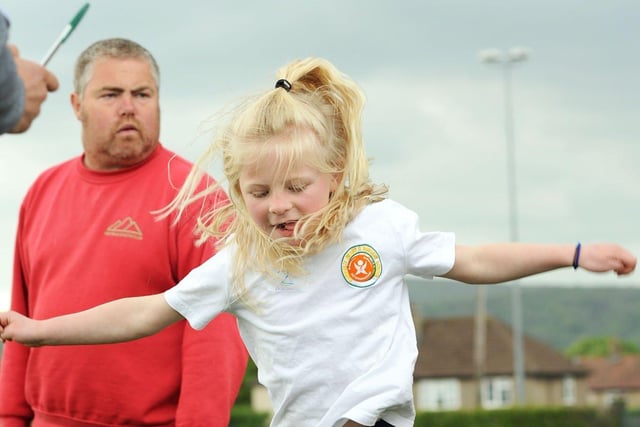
column 85, row 238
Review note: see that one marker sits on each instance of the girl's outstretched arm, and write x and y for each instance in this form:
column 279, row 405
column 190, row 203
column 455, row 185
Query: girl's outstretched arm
column 501, row 262
column 116, row 321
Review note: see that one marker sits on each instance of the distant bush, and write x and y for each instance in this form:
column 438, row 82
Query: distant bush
column 526, row 417
column 244, row 416
column 601, row 346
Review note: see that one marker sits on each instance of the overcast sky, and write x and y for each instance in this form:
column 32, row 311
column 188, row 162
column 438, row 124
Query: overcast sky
column 434, row 123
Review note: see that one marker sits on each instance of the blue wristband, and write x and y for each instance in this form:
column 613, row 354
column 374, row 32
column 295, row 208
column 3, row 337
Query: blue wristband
column 576, row 256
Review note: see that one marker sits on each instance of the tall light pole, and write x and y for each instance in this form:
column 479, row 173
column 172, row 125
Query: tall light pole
column 506, row 60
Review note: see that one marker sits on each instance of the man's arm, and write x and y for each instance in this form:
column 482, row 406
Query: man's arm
column 214, row 362
column 213, row 359
column 11, row 87
column 14, row 409
column 24, row 86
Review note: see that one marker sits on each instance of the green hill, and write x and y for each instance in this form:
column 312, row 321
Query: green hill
column 557, row 316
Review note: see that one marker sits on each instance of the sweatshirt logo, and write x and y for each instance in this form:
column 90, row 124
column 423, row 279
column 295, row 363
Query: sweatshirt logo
column 124, row 228
column 361, row 266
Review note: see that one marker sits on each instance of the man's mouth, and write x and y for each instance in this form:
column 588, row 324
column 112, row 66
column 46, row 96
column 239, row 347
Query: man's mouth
column 127, row 128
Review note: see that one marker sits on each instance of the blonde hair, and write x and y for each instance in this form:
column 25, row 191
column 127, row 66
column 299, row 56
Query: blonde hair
column 320, row 117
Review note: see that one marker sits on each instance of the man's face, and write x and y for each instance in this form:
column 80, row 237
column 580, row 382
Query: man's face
column 119, row 112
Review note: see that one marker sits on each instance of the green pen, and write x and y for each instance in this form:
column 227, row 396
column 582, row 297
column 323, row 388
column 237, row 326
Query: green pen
column 66, row 32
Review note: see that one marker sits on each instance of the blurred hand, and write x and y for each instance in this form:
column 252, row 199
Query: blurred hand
column 38, row 82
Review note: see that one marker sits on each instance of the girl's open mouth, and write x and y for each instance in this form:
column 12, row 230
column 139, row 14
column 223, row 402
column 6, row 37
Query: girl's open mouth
column 289, row 225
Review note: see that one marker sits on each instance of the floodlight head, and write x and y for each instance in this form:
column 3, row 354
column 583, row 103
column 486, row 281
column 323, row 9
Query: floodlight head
column 517, row 54
column 490, row 56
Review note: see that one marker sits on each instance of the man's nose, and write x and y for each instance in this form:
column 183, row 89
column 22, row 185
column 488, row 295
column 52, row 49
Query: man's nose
column 127, row 106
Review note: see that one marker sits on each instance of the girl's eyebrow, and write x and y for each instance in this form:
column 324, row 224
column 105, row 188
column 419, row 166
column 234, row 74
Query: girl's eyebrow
column 254, row 185
column 298, row 179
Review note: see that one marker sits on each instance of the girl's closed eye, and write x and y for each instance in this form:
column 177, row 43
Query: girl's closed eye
column 297, row 188
column 257, row 191
column 297, row 185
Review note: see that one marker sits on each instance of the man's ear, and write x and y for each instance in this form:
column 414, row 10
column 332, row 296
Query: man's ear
column 76, row 103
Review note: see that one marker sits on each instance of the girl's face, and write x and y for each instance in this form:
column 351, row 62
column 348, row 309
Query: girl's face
column 277, row 200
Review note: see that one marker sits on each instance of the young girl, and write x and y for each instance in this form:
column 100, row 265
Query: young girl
column 313, row 262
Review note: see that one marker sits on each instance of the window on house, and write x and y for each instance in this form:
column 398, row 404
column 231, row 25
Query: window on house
column 569, row 391
column 497, row 392
column 438, row 395
column 611, row 396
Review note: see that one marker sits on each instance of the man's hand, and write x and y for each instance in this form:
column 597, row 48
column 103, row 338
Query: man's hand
column 38, row 82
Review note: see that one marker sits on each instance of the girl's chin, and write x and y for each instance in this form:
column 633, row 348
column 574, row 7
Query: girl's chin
column 291, row 241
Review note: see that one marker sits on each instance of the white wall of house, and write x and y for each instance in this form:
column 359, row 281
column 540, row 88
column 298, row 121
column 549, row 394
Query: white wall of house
column 569, row 391
column 260, row 401
column 496, row 392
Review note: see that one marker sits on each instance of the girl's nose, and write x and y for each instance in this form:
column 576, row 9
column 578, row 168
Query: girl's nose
column 279, row 203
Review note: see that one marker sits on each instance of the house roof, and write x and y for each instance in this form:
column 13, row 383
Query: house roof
column 617, row 372
column 447, row 350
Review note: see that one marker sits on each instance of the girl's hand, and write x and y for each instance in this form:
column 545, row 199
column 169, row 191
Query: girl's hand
column 602, row 257
column 17, row 327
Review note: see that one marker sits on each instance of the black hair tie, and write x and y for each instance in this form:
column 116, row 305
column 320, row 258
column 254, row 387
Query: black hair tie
column 284, row 84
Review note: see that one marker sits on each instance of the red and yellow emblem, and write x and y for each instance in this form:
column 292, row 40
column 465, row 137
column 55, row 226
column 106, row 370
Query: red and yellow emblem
column 361, row 266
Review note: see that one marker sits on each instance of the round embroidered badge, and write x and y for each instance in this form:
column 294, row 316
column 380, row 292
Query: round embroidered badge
column 361, row 266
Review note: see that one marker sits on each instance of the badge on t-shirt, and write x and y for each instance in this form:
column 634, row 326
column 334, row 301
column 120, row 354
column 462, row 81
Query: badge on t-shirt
column 361, row 266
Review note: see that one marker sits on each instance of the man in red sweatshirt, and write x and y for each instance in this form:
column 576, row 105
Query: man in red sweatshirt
column 88, row 234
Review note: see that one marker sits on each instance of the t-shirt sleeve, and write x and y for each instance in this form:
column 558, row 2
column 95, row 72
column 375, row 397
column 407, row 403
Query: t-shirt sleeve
column 427, row 254
column 204, row 292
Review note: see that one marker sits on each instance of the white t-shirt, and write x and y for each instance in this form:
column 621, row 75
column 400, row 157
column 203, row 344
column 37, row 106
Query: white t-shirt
column 338, row 343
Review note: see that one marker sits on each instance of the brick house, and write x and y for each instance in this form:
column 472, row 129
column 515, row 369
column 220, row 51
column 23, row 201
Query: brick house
column 445, row 378
column 612, row 378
